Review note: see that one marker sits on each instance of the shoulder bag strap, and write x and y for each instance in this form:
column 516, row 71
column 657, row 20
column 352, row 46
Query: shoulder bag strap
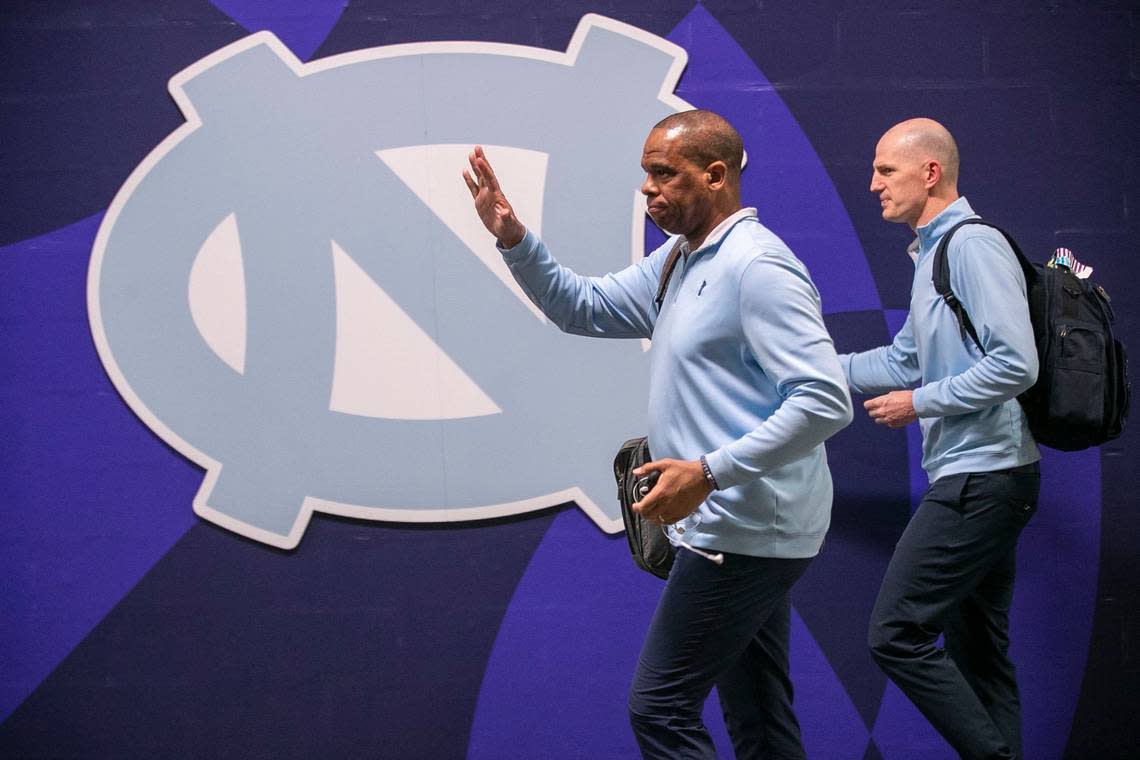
column 940, row 275
column 667, row 270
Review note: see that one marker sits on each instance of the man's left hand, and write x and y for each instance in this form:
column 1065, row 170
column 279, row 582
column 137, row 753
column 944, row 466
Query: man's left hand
column 491, row 204
column 894, row 409
column 680, row 489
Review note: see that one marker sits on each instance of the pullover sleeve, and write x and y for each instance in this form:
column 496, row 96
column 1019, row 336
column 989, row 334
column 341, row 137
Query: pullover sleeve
column 784, row 329
column 987, row 279
column 617, row 305
column 885, row 368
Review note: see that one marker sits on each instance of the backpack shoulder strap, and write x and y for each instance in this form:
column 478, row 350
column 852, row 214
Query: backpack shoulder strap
column 667, row 270
column 941, row 275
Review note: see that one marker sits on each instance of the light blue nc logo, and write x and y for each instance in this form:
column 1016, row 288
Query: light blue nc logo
column 294, row 291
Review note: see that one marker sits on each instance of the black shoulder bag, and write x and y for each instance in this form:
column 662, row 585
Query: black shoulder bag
column 648, row 543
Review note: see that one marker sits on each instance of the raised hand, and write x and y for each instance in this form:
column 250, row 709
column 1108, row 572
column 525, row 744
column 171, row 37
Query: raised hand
column 492, row 206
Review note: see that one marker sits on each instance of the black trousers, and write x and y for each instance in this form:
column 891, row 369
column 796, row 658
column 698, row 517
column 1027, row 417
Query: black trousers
column 726, row 625
column 952, row 573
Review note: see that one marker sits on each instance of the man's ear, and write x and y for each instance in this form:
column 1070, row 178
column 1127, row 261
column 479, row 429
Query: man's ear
column 932, row 173
column 717, row 173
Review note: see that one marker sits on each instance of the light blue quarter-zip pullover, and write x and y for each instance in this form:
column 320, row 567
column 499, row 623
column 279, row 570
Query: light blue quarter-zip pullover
column 966, row 401
column 742, row 370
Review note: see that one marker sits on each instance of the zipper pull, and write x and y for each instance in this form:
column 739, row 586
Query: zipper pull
column 1104, row 299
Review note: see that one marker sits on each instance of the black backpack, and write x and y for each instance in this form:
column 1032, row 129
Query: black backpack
column 1082, row 392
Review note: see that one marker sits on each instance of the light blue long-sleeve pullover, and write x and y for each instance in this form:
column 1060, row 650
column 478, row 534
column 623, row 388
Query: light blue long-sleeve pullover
column 966, row 401
column 742, row 370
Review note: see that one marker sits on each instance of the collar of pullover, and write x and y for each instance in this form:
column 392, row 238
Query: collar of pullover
column 718, row 232
column 929, row 233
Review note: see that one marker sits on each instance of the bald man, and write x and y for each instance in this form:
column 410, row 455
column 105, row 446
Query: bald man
column 953, row 569
column 744, row 388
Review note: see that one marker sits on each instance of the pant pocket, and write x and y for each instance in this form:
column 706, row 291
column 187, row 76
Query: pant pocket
column 993, row 492
column 1022, row 507
column 1026, row 488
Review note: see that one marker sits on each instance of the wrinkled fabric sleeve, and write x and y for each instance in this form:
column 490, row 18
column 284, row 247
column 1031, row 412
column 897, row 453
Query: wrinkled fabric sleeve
column 886, row 368
column 987, row 279
column 616, row 305
column 784, row 329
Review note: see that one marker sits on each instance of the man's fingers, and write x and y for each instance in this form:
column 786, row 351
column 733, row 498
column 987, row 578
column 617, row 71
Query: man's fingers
column 651, row 505
column 481, row 174
column 650, row 510
column 645, row 506
column 471, row 184
column 487, row 175
column 647, row 468
column 479, row 168
column 874, row 407
column 484, row 170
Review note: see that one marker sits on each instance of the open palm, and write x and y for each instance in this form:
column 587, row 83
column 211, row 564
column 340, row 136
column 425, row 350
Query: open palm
column 494, row 209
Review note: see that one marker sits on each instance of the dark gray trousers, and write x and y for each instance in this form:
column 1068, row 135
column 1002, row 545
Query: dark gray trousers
column 952, row 573
column 727, row 625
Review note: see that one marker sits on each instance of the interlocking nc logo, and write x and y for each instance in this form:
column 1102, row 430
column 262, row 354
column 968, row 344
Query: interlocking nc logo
column 293, row 289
